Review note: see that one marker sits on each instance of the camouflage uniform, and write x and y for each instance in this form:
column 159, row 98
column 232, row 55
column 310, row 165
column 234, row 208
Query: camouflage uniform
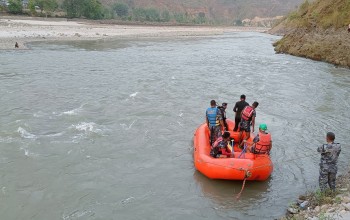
column 328, row 165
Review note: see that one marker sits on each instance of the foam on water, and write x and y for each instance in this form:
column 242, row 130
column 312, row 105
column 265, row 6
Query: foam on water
column 126, row 127
column 26, row 134
column 133, row 95
column 75, row 111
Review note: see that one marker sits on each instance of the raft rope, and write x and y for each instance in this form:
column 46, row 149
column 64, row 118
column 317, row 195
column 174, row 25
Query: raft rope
column 240, row 193
column 247, row 172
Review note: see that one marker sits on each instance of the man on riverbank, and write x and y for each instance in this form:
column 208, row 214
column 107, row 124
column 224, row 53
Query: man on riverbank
column 240, row 105
column 328, row 165
column 214, row 121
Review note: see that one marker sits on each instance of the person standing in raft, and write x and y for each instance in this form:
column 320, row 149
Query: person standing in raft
column 214, row 121
column 328, row 165
column 262, row 142
column 220, row 146
column 247, row 119
column 222, row 109
column 240, row 105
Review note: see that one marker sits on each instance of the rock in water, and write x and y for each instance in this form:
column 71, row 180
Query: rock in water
column 293, row 210
column 304, row 205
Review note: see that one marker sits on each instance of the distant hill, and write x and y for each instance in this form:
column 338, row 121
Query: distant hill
column 222, row 11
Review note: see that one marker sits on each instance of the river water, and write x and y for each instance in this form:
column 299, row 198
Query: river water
column 103, row 130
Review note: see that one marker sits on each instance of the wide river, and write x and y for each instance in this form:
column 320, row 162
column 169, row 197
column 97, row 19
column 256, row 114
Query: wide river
column 104, row 130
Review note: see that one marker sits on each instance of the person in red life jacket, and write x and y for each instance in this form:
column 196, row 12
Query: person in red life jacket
column 220, row 146
column 247, row 119
column 239, row 106
column 214, row 121
column 222, row 109
column 262, row 142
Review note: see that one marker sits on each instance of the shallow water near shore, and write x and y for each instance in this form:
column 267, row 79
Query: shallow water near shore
column 104, row 130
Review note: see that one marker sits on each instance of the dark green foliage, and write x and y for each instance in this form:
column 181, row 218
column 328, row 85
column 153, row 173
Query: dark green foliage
column 146, row 14
column 91, row 9
column 122, row 10
column 45, row 5
column 15, row 6
column 238, row 22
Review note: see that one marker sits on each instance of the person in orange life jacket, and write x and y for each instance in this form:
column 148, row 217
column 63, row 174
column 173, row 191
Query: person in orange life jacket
column 247, row 119
column 214, row 122
column 239, row 106
column 222, row 109
column 262, row 142
column 220, row 146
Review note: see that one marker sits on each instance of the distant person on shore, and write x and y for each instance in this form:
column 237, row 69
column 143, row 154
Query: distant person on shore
column 262, row 141
column 240, row 105
column 328, row 165
column 247, row 119
column 16, row 45
column 220, row 146
column 349, row 28
column 222, row 109
column 214, row 121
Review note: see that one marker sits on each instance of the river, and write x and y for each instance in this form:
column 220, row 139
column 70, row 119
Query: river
column 103, row 130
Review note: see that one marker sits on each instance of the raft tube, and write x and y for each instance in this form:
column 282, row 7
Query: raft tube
column 248, row 166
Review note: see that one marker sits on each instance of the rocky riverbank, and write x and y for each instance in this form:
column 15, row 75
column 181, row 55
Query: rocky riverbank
column 323, row 206
column 332, row 46
column 318, row 31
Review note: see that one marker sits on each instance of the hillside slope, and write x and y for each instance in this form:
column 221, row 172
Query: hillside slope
column 318, row 31
column 221, row 10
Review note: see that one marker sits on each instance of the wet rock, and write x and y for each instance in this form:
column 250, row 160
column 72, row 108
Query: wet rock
column 346, row 199
column 293, row 210
column 304, row 205
column 347, row 206
column 331, row 210
column 324, row 207
column 317, row 209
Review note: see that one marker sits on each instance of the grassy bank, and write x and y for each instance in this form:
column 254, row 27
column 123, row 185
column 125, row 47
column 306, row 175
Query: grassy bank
column 323, row 205
column 318, row 31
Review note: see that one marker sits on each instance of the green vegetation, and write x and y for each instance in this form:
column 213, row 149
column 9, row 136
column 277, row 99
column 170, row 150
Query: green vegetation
column 319, row 198
column 15, row 6
column 122, row 10
column 321, row 13
column 91, row 9
column 48, row 6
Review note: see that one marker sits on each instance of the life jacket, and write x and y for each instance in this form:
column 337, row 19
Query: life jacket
column 263, row 146
column 212, row 115
column 216, row 143
column 222, row 112
column 247, row 113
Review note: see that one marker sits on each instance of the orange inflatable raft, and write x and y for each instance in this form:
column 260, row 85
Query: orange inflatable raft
column 248, row 166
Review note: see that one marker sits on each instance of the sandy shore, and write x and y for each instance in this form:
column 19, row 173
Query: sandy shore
column 24, row 30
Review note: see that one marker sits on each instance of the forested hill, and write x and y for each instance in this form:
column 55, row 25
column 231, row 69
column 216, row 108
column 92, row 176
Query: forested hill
column 218, row 9
column 229, row 12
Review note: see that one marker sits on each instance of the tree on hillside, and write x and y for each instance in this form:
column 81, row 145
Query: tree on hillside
column 15, row 6
column 92, row 9
column 44, row 5
column 73, row 8
column 122, row 10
